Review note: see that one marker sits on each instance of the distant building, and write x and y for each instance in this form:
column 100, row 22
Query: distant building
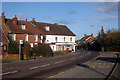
column 85, row 39
column 59, row 37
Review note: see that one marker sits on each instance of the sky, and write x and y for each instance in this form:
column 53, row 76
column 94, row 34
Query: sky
column 80, row 17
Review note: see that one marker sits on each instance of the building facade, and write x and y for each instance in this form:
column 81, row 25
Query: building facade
column 59, row 37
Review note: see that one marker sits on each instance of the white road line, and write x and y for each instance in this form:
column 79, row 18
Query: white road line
column 59, row 61
column 45, row 65
column 9, row 73
column 34, row 67
column 72, row 58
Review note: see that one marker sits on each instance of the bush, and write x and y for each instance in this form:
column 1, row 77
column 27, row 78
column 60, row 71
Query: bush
column 43, row 50
column 26, row 49
column 13, row 47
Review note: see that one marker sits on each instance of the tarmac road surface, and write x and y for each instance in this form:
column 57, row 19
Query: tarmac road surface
column 45, row 67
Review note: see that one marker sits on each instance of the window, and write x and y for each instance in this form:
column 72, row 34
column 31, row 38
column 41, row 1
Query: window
column 31, row 44
column 47, row 40
column 56, row 39
column 14, row 37
column 41, row 37
column 71, row 39
column 26, row 37
column 41, row 41
column 36, row 38
column 5, row 48
column 64, row 38
column 47, row 28
column 36, row 43
column 24, row 27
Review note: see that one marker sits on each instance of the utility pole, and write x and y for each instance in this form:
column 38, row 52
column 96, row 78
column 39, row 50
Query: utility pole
column 21, row 42
column 19, row 51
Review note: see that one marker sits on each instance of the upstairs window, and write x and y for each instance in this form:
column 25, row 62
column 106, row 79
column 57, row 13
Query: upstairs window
column 71, row 39
column 26, row 37
column 47, row 28
column 14, row 37
column 56, row 39
column 36, row 38
column 23, row 27
column 41, row 37
column 64, row 38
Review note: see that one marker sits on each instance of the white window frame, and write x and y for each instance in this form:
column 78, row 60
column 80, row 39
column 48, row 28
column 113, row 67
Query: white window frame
column 71, row 39
column 36, row 38
column 14, row 37
column 26, row 37
column 41, row 37
column 23, row 27
column 31, row 44
column 47, row 28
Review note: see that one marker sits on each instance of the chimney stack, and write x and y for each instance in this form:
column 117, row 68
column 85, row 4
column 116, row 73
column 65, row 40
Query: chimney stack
column 26, row 20
column 92, row 35
column 85, row 35
column 33, row 19
column 3, row 17
column 15, row 20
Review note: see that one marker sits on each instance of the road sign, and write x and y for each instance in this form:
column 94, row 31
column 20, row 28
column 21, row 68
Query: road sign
column 21, row 41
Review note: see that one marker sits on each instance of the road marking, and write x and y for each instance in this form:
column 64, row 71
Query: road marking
column 9, row 73
column 72, row 58
column 45, row 65
column 34, row 67
column 59, row 61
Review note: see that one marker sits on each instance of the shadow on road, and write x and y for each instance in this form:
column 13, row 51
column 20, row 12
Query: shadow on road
column 86, row 66
column 113, row 60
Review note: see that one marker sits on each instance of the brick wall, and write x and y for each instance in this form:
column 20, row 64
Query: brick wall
column 5, row 42
column 31, row 38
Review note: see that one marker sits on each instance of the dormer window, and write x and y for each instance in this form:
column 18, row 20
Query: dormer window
column 47, row 28
column 23, row 27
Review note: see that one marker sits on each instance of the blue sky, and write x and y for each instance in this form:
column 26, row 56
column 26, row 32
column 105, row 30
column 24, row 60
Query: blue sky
column 80, row 17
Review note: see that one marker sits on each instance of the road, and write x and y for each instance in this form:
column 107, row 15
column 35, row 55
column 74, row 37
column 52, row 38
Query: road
column 102, row 67
column 45, row 67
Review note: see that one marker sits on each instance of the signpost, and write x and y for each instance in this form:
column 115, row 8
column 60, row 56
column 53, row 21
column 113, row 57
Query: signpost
column 21, row 42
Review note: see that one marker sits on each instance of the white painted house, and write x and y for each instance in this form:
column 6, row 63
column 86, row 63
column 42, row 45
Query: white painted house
column 61, row 42
column 61, row 39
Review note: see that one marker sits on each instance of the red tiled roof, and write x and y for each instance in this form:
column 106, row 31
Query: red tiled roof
column 39, row 28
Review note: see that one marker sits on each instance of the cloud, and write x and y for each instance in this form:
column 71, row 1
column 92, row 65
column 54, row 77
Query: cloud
column 66, row 21
column 91, row 25
column 21, row 16
column 107, row 7
column 72, row 12
column 46, row 17
column 102, row 19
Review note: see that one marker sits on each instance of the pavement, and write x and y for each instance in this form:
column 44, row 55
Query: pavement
column 97, row 68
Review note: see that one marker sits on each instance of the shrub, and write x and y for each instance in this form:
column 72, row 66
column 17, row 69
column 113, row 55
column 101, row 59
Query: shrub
column 26, row 49
column 43, row 50
column 13, row 47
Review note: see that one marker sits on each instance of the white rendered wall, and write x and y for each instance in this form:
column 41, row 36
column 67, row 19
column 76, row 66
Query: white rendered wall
column 60, row 38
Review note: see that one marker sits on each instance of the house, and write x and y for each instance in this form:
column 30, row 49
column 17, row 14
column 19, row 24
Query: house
column 85, row 39
column 59, row 37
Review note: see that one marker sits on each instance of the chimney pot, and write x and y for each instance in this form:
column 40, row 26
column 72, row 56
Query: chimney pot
column 3, row 17
column 26, row 19
column 85, row 35
column 15, row 20
column 33, row 19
